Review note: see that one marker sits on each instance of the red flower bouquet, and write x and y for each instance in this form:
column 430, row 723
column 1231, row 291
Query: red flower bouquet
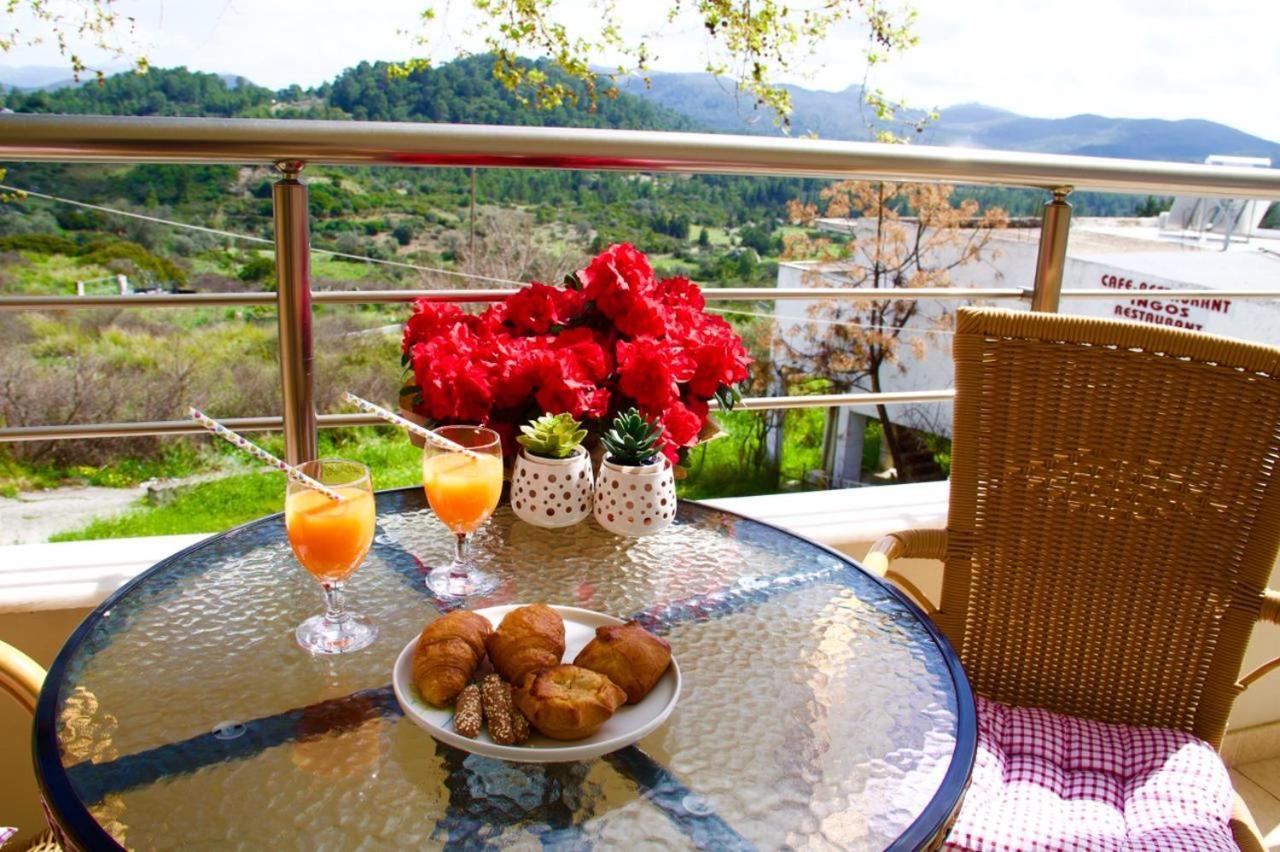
column 614, row 336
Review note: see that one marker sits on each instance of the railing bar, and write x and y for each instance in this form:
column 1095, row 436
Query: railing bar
column 130, row 139
column 1085, row 293
column 147, row 428
column 331, row 421
column 739, row 294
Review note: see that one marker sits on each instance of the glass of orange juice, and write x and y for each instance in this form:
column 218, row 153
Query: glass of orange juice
column 463, row 489
column 330, row 539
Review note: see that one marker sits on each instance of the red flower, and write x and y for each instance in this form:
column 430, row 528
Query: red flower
column 587, row 351
column 636, row 315
column 681, row 425
column 620, row 267
column 622, row 339
column 429, row 318
column 681, row 292
column 537, row 308
column 645, row 374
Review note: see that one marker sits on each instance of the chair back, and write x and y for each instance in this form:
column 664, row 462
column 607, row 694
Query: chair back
column 1114, row 515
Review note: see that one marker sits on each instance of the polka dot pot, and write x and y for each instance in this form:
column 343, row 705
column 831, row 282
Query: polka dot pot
column 552, row 492
column 635, row 501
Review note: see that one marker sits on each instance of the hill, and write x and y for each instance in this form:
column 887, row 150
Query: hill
column 838, row 115
column 463, row 91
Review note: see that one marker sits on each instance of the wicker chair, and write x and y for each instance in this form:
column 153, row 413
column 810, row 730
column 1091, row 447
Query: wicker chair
column 22, row 677
column 1113, row 519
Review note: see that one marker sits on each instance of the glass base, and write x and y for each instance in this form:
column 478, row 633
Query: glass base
column 319, row 635
column 449, row 581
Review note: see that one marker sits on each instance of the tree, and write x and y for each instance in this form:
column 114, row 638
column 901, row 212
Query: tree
column 751, row 42
column 73, row 25
column 902, row 236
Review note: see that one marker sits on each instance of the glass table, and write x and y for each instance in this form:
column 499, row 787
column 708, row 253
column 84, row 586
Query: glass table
column 820, row 709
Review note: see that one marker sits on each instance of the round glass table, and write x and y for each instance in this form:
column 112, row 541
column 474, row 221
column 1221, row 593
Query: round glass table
column 820, row 708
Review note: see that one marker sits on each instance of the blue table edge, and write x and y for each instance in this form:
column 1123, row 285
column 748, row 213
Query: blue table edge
column 73, row 817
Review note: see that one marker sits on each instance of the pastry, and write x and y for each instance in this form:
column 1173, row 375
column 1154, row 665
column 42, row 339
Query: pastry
column 529, row 639
column 628, row 655
column 568, row 702
column 448, row 652
column 469, row 715
column 506, row 725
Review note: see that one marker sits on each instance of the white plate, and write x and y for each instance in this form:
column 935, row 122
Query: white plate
column 632, row 722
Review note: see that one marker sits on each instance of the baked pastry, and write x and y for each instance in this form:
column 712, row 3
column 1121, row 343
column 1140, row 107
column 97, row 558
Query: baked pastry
column 529, row 639
column 628, row 655
column 567, row 702
column 449, row 650
column 469, row 714
column 506, row 725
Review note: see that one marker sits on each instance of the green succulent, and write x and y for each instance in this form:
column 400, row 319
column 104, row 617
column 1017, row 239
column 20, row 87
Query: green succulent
column 632, row 440
column 552, row 436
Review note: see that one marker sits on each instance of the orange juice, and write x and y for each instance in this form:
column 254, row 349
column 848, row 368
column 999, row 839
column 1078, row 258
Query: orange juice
column 330, row 538
column 463, row 491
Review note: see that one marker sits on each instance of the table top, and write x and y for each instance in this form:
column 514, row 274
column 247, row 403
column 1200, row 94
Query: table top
column 820, row 708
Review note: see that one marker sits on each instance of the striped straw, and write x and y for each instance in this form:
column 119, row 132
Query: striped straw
column 408, row 425
column 262, row 455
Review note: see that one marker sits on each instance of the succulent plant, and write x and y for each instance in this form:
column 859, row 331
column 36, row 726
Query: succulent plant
column 632, row 441
column 552, row 436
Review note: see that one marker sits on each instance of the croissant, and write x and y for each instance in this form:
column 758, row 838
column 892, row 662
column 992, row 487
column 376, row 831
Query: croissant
column 628, row 655
column 449, row 650
column 529, row 639
column 568, row 702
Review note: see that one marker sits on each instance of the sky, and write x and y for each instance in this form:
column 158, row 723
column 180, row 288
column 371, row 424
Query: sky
column 1048, row 58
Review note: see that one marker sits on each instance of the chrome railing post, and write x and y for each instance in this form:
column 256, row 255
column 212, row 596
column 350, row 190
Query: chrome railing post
column 293, row 303
column 1052, row 257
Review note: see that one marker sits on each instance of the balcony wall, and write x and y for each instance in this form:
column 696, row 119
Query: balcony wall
column 849, row 520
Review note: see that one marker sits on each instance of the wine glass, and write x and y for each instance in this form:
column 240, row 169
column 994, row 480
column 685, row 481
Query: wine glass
column 463, row 486
column 330, row 538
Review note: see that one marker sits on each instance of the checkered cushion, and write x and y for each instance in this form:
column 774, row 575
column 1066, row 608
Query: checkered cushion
column 1044, row 781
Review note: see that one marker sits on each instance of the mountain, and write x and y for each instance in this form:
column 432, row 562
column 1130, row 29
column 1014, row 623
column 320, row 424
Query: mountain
column 838, row 115
column 462, row 91
column 36, row 77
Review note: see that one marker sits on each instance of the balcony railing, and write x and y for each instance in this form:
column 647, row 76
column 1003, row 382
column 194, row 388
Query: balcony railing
column 291, row 145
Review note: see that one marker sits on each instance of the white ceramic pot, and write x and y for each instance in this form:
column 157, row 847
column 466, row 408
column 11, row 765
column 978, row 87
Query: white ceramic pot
column 635, row 501
column 552, row 492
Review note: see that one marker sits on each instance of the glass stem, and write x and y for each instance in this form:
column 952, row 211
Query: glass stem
column 335, row 603
column 459, row 566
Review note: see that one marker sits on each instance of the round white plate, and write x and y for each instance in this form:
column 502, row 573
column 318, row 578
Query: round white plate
column 632, row 722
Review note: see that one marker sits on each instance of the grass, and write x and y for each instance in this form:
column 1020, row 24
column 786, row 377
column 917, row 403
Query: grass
column 323, row 266
column 220, row 504
column 715, row 236
column 177, row 461
column 56, row 275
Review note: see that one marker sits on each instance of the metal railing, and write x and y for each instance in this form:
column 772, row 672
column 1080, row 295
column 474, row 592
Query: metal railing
column 291, row 145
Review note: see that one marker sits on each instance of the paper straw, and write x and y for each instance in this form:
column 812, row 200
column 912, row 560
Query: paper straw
column 409, row 426
column 262, row 455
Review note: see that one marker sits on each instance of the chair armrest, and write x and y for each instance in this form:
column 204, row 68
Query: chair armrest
column 1270, row 606
column 1244, row 829
column 907, row 544
column 1270, row 612
column 20, row 676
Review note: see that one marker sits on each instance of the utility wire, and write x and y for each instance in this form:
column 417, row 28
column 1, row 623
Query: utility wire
column 252, row 239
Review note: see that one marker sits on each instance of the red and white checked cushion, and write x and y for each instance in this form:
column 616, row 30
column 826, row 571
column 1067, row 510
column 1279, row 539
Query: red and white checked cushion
column 1044, row 781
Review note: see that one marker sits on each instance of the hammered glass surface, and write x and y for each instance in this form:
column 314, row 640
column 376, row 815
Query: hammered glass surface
column 817, row 710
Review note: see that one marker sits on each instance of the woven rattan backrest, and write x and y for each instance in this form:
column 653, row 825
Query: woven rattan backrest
column 1114, row 515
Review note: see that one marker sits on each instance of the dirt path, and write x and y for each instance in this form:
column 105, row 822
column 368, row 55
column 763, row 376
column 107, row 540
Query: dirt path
column 33, row 516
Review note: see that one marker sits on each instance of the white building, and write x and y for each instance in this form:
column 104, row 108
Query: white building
column 1133, row 256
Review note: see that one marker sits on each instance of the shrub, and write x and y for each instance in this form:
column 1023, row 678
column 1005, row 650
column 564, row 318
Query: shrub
column 259, row 268
column 39, row 243
column 131, row 258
